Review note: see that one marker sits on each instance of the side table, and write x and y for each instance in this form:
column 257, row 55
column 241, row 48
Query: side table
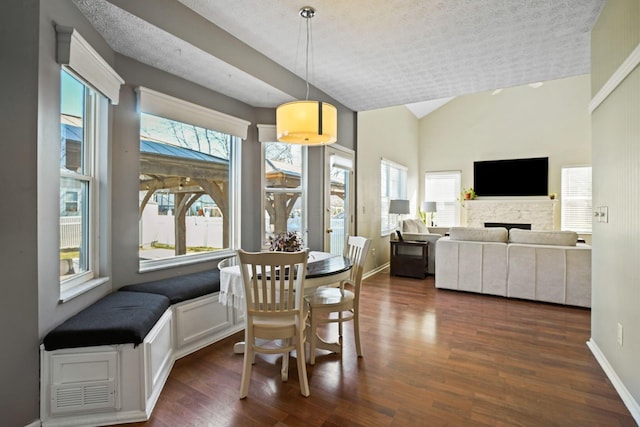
column 409, row 258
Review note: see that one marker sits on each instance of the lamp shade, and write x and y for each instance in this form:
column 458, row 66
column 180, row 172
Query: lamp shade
column 429, row 207
column 307, row 123
column 399, row 206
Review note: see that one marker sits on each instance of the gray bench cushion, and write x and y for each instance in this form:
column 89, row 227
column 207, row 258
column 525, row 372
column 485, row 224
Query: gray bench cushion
column 181, row 288
column 118, row 318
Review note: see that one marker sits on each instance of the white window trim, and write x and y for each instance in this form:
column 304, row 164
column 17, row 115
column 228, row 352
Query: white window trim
column 75, row 52
column 267, row 133
column 160, row 104
column 169, row 107
column 586, row 231
column 457, row 210
column 388, row 231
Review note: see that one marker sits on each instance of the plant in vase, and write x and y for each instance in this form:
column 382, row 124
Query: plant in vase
column 286, row 242
column 469, row 194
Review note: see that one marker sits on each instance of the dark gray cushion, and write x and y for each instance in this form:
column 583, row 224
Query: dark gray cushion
column 181, row 288
column 118, row 318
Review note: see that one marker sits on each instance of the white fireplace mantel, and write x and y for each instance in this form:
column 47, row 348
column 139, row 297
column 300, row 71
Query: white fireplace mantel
column 539, row 213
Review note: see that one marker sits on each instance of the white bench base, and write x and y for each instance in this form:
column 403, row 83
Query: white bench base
column 114, row 384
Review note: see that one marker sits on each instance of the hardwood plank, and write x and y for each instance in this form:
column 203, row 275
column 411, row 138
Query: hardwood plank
column 431, row 357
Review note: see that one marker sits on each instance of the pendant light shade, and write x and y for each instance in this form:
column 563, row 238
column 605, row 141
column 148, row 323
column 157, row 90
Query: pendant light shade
column 307, row 122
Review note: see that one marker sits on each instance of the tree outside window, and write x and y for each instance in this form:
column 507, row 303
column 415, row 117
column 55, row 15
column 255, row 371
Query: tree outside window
column 184, row 188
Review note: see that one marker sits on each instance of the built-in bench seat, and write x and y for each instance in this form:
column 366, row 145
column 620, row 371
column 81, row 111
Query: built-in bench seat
column 181, row 288
column 108, row 363
column 118, row 318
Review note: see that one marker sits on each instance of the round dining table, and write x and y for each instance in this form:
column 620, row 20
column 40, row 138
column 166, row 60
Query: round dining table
column 323, row 269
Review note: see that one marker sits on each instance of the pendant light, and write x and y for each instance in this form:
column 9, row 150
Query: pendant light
column 307, row 122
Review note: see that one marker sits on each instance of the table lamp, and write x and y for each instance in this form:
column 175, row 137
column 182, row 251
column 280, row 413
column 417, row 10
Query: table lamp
column 430, row 208
column 399, row 207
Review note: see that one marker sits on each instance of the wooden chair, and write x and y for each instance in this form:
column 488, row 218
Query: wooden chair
column 275, row 310
column 339, row 305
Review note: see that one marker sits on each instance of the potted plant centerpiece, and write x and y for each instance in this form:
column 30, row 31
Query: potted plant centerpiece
column 286, row 242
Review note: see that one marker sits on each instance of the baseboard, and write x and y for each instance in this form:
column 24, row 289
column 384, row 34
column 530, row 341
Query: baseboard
column 626, row 397
column 375, row 270
column 103, row 419
column 36, row 423
column 192, row 348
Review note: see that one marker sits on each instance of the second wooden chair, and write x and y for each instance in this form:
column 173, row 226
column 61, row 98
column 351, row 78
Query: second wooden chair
column 338, row 305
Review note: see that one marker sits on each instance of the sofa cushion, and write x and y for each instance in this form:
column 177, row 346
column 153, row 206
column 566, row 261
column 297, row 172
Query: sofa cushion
column 554, row 238
column 479, row 234
column 118, row 318
column 414, row 226
column 181, row 288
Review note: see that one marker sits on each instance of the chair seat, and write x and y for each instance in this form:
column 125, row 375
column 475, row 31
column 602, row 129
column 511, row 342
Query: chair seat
column 330, row 297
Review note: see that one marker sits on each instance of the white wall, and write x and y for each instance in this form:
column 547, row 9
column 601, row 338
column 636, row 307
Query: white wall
column 549, row 121
column 616, row 178
column 390, row 133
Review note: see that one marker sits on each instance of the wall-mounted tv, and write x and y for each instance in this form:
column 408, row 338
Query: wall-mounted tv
column 513, row 177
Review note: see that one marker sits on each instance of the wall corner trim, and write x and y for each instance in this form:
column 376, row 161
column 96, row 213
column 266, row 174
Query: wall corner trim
column 616, row 78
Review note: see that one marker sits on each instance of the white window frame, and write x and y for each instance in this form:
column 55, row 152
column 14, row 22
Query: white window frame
column 78, row 58
column 266, row 135
column 389, row 191
column 91, row 114
column 449, row 203
column 169, row 107
column 576, row 205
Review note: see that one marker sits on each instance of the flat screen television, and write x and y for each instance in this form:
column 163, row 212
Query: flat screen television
column 512, row 177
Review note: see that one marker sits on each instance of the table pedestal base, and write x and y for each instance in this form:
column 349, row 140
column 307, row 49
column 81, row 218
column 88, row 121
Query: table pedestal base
column 333, row 347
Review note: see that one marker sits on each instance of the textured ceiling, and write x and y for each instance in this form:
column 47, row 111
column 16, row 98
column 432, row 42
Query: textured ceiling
column 370, row 54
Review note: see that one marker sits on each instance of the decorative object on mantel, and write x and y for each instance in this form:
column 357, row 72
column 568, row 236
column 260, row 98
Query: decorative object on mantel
column 552, row 196
column 469, row 194
column 286, row 242
column 307, row 122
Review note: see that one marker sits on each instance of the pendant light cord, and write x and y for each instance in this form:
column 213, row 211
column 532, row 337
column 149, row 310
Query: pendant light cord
column 306, row 67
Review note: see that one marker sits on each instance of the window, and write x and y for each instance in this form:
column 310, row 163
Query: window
column 283, row 183
column 79, row 107
column 87, row 85
column 444, row 189
column 393, row 182
column 189, row 176
column 575, row 199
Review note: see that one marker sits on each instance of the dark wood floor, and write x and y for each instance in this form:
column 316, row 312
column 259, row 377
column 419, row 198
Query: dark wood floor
column 431, row 358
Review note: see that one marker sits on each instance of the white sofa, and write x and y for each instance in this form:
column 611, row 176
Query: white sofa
column 545, row 266
column 415, row 229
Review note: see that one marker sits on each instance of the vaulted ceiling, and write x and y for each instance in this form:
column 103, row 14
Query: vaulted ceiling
column 366, row 54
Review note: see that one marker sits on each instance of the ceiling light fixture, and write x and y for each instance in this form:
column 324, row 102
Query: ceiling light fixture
column 307, row 122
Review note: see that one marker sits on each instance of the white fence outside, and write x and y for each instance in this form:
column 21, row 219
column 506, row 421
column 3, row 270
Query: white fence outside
column 201, row 230
column 70, row 232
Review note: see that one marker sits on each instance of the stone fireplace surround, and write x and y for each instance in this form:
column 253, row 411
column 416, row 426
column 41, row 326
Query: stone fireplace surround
column 540, row 213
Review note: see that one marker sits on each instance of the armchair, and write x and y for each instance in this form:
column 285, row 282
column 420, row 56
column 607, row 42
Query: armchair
column 415, row 229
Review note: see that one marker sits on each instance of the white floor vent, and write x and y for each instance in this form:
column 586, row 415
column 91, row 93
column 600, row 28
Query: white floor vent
column 86, row 396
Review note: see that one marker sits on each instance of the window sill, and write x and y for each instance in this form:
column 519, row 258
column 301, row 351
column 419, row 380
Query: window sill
column 161, row 264
column 78, row 290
